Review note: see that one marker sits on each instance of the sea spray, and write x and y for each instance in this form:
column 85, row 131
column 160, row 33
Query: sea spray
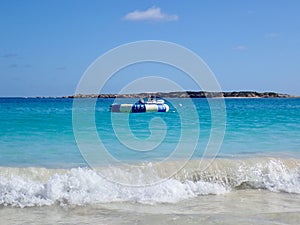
column 25, row 187
column 82, row 186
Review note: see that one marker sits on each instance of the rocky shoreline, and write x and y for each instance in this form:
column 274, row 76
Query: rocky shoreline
column 190, row 94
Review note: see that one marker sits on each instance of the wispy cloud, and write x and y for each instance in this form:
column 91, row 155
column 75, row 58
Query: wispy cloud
column 10, row 55
column 151, row 14
column 61, row 68
column 13, row 66
column 240, row 48
column 250, row 12
column 271, row 35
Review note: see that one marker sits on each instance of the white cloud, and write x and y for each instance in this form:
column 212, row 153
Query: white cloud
column 10, row 55
column 61, row 68
column 271, row 35
column 151, row 14
column 240, row 48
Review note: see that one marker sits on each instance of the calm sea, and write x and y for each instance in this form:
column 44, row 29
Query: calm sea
column 103, row 168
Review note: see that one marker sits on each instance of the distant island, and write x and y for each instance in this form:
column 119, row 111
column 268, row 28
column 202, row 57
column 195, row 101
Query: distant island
column 190, row 94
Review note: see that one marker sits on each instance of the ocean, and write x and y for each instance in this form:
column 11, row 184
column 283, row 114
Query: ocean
column 61, row 164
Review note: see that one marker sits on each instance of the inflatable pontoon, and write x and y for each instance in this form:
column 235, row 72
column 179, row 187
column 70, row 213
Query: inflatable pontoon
column 151, row 105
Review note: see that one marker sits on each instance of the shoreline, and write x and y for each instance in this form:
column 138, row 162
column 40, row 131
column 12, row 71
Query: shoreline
column 182, row 94
column 190, row 94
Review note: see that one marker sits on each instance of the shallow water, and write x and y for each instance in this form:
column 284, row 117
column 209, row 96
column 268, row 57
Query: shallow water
column 238, row 207
column 254, row 178
column 39, row 132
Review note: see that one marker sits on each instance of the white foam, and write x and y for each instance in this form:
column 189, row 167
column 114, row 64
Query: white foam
column 84, row 186
column 272, row 175
column 21, row 192
column 22, row 187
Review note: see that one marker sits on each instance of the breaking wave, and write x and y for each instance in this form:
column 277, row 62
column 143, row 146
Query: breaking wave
column 25, row 187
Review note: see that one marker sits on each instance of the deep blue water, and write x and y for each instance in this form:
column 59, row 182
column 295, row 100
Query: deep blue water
column 39, row 132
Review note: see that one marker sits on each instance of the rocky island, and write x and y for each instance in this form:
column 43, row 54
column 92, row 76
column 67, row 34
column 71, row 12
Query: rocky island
column 189, row 94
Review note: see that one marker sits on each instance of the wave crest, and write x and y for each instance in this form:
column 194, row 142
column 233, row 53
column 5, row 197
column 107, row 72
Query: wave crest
column 24, row 187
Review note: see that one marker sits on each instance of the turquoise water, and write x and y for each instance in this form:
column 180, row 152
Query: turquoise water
column 263, row 126
column 39, row 132
column 257, row 164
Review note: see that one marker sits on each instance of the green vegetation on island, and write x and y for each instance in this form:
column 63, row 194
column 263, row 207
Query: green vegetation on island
column 189, row 94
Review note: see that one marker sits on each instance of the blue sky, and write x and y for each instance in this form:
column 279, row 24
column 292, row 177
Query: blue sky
column 45, row 46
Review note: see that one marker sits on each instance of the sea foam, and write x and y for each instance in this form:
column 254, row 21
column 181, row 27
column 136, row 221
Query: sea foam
column 25, row 187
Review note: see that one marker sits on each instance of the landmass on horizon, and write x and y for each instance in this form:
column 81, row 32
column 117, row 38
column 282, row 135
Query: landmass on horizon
column 189, row 94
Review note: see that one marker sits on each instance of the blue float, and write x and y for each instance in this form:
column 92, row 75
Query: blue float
column 151, row 105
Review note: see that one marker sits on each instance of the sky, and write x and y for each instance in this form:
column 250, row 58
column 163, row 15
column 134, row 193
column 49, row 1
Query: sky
column 46, row 46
